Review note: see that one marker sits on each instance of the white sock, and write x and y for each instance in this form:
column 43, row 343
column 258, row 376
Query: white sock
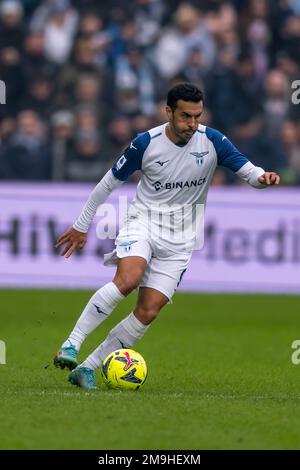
column 124, row 335
column 97, row 310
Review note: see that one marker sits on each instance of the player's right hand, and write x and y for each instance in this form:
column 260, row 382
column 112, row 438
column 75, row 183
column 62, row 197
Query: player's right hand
column 73, row 240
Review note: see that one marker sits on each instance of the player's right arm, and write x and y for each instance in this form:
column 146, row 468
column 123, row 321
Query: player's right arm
column 75, row 237
column 230, row 157
column 130, row 161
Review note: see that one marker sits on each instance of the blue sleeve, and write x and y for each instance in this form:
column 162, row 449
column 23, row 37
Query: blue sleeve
column 131, row 159
column 228, row 155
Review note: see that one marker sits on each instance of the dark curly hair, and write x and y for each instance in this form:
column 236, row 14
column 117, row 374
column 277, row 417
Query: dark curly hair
column 185, row 92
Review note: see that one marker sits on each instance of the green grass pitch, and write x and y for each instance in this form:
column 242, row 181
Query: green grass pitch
column 220, row 376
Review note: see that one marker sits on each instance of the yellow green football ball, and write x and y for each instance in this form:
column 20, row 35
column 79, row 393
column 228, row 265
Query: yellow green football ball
column 124, row 369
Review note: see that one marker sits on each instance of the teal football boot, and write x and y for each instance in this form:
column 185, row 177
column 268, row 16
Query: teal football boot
column 83, row 377
column 66, row 357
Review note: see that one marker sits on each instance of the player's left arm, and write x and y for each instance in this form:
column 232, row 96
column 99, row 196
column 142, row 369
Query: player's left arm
column 230, row 157
column 269, row 178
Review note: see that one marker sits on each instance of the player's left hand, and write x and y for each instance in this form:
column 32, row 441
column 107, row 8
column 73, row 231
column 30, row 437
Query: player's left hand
column 269, row 178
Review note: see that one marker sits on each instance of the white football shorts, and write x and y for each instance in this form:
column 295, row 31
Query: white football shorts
column 165, row 267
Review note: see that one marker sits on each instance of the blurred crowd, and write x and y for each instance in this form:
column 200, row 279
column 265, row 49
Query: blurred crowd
column 85, row 76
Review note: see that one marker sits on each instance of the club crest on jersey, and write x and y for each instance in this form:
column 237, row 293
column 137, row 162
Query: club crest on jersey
column 126, row 246
column 120, row 162
column 199, row 157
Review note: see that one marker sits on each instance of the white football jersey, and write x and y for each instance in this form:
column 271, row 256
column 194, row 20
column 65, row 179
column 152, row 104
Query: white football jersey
column 176, row 173
column 176, row 176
